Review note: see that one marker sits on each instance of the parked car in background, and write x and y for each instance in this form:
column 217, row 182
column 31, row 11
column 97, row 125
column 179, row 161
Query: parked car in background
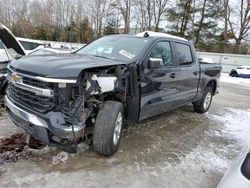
column 64, row 99
column 47, row 51
column 10, row 48
column 4, row 59
column 241, row 71
column 30, row 45
column 238, row 175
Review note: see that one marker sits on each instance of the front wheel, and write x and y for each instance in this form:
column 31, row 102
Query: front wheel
column 203, row 105
column 108, row 128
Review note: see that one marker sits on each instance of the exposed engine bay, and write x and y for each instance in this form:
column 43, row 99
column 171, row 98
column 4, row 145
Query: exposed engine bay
column 80, row 102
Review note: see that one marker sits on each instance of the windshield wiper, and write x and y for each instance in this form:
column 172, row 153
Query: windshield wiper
column 102, row 56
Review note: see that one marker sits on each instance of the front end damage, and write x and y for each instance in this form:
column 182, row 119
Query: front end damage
column 63, row 114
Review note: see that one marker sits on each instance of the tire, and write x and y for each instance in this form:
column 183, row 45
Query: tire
column 233, row 73
column 204, row 104
column 108, row 128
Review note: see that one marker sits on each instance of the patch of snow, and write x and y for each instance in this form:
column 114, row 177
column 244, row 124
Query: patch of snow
column 60, row 157
column 82, row 148
column 234, row 80
column 159, row 34
column 236, row 123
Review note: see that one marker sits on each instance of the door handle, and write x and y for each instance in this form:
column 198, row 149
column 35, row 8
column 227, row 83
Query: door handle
column 195, row 72
column 172, row 75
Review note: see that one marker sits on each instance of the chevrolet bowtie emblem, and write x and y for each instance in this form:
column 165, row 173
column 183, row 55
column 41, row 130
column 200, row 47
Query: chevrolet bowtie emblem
column 15, row 77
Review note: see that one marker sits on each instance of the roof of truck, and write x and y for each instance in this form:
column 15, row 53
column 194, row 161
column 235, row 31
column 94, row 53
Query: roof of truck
column 158, row 34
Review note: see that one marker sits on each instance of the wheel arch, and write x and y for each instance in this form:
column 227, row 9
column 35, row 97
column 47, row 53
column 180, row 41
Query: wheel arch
column 213, row 85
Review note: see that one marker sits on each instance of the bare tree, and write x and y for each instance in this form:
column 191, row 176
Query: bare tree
column 225, row 6
column 125, row 8
column 180, row 14
column 202, row 17
column 151, row 13
column 159, row 9
column 99, row 10
column 240, row 28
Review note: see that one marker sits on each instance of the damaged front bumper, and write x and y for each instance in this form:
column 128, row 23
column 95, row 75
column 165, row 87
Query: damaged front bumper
column 45, row 127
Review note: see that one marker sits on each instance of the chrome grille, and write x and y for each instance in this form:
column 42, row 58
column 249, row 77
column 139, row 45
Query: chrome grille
column 29, row 99
column 36, row 83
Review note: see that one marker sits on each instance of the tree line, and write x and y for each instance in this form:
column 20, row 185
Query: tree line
column 212, row 25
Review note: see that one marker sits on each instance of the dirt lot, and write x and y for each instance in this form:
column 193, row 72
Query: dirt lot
column 177, row 149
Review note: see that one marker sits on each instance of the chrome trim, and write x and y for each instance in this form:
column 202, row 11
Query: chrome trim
column 51, row 80
column 35, row 90
column 24, row 115
column 35, row 120
column 76, row 128
column 55, row 80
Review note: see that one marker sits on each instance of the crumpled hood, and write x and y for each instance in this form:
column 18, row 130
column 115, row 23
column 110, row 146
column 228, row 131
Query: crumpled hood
column 59, row 65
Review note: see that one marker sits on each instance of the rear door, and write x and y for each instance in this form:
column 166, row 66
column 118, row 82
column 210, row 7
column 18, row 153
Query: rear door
column 189, row 73
column 158, row 85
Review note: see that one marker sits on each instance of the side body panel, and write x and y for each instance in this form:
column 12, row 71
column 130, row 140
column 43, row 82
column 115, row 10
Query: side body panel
column 209, row 72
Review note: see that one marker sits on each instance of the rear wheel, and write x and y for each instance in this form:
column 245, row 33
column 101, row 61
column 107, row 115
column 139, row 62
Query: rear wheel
column 108, row 128
column 233, row 73
column 203, row 105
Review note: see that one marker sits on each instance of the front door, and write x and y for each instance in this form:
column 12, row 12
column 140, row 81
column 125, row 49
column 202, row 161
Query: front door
column 158, row 84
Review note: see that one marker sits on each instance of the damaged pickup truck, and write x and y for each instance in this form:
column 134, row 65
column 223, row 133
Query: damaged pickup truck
column 64, row 99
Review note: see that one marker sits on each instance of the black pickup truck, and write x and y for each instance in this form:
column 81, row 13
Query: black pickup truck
column 64, row 99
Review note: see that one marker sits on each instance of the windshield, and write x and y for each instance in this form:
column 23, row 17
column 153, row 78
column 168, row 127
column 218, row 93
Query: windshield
column 122, row 48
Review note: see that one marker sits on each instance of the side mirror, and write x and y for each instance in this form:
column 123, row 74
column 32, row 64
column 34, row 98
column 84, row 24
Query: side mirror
column 155, row 63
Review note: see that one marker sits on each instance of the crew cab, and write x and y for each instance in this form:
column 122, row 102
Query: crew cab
column 64, row 99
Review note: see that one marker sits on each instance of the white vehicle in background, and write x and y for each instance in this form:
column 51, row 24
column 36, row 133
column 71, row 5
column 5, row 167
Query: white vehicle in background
column 238, row 175
column 10, row 48
column 30, row 45
column 47, row 51
column 241, row 71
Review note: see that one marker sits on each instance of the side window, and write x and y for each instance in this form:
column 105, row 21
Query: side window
column 162, row 50
column 29, row 45
column 183, row 53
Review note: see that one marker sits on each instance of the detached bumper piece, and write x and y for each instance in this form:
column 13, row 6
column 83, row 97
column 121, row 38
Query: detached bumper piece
column 44, row 127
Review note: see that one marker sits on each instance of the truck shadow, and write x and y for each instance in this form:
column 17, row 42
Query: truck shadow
column 166, row 137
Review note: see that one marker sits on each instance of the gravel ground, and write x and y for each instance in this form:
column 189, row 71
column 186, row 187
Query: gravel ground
column 176, row 149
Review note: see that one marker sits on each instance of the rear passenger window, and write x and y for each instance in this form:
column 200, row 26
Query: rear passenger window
column 162, row 50
column 183, row 53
